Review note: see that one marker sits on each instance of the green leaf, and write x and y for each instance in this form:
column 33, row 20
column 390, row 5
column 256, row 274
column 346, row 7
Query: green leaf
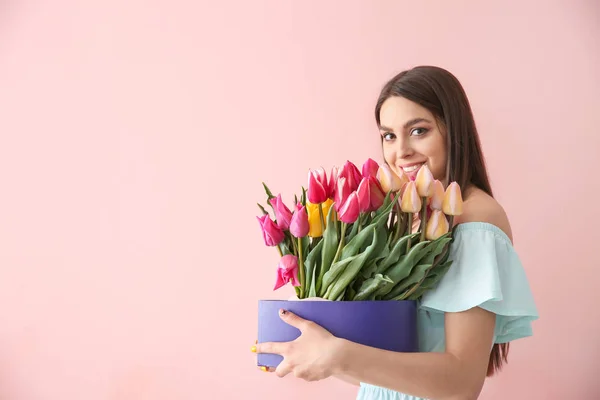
column 336, row 269
column 352, row 269
column 350, row 293
column 311, row 266
column 341, row 296
column 398, row 251
column 330, row 245
column 303, row 196
column 417, row 274
column 262, row 209
column 371, row 285
column 313, row 284
column 431, row 281
column 387, row 205
column 403, row 268
column 437, row 247
column 268, row 191
column 353, row 232
column 370, row 267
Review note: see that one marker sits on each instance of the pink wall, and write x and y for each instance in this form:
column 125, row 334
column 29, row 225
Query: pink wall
column 134, row 134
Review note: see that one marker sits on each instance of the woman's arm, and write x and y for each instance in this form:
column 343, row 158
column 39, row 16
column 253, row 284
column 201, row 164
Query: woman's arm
column 457, row 373
column 348, row 379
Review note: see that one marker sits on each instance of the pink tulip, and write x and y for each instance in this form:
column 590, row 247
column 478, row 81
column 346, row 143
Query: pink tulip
column 350, row 210
column 364, row 195
column 341, row 193
column 370, row 168
column 370, row 194
column 272, row 234
column 299, row 225
column 333, row 177
column 377, row 194
column 282, row 213
column 318, row 187
column 352, row 175
column 287, row 271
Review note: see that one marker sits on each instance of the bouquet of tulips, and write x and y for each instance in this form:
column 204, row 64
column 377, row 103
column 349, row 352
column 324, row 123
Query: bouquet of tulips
column 350, row 237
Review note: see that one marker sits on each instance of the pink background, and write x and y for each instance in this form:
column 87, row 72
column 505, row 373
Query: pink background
column 135, row 135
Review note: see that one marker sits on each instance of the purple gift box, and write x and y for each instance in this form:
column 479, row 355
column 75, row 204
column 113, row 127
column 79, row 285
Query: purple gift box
column 389, row 325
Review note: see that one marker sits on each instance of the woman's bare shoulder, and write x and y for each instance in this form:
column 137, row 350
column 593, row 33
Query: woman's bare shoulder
column 481, row 207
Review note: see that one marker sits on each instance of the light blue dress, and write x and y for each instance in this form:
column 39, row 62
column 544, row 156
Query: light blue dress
column 486, row 272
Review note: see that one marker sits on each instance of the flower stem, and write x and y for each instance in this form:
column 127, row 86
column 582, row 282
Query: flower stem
column 410, row 221
column 423, row 219
column 339, row 249
column 322, row 217
column 359, row 221
column 301, row 268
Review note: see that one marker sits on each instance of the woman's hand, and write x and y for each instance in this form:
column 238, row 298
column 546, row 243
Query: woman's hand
column 313, row 356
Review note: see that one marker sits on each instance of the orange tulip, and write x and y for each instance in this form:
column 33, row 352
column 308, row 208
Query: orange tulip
column 436, row 226
column 453, row 202
column 411, row 202
column 424, row 182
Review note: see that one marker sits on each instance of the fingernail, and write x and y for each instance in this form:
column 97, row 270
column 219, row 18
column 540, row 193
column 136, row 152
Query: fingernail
column 283, row 312
column 256, row 341
column 253, row 349
column 265, row 369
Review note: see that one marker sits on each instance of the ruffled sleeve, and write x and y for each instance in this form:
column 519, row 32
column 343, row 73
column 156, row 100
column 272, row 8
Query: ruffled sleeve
column 486, row 272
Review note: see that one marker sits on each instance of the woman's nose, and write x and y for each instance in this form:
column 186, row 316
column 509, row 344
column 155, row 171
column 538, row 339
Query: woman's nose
column 404, row 148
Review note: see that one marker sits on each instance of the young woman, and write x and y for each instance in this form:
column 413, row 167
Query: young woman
column 484, row 300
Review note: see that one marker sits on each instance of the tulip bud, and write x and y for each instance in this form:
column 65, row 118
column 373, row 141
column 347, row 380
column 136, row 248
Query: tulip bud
column 437, row 197
column 318, row 187
column 424, row 181
column 350, row 210
column 314, row 218
column 272, row 234
column 352, row 175
column 370, row 168
column 287, row 271
column 299, row 224
column 364, row 193
column 453, row 202
column 437, row 225
column 333, row 177
column 377, row 196
column 341, row 193
column 389, row 180
column 411, row 202
column 282, row 213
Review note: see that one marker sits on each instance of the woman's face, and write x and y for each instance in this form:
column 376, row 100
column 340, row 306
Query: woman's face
column 412, row 138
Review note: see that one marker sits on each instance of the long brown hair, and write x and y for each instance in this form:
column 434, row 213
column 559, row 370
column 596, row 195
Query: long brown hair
column 442, row 94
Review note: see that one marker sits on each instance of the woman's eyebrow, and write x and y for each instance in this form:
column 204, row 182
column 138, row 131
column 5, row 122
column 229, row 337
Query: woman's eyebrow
column 407, row 124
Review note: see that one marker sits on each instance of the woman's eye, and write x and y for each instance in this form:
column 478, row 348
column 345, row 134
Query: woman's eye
column 389, row 136
column 418, row 131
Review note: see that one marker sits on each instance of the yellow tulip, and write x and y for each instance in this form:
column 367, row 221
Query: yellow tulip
column 314, row 219
column 453, row 202
column 411, row 202
column 436, row 226
column 437, row 198
column 424, row 182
